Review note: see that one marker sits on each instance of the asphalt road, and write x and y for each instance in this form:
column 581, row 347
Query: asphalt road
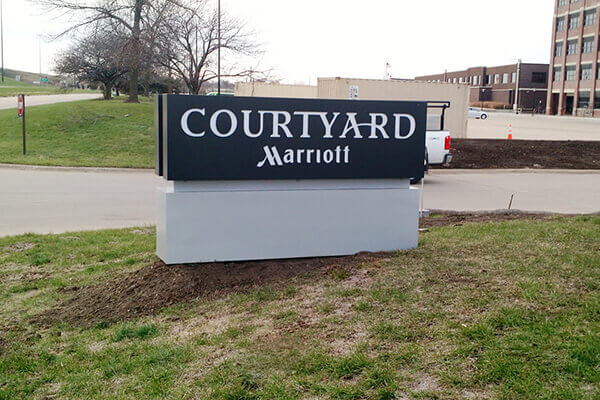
column 62, row 200
column 538, row 127
column 38, row 100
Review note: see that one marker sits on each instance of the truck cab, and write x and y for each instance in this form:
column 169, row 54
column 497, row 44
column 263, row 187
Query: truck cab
column 437, row 138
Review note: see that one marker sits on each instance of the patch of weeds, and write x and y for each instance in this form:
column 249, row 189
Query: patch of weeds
column 385, row 295
column 338, row 273
column 354, row 292
column 389, row 331
column 326, row 307
column 130, row 332
column 286, row 317
column 28, row 287
column 290, row 292
column 102, row 325
column 262, row 295
column 363, row 306
column 37, row 258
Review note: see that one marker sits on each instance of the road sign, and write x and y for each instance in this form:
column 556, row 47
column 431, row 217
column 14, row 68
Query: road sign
column 21, row 105
column 44, row 80
column 21, row 113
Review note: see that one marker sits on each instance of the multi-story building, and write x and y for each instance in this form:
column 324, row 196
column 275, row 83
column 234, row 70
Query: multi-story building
column 574, row 87
column 519, row 86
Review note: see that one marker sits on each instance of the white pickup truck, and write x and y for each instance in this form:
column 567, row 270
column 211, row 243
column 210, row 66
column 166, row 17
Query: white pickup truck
column 437, row 139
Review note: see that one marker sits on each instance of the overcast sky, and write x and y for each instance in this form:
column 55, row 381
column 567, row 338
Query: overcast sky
column 306, row 39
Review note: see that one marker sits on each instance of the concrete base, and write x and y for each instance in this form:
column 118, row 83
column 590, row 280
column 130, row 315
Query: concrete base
column 233, row 221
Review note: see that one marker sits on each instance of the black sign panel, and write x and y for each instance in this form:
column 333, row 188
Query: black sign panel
column 251, row 138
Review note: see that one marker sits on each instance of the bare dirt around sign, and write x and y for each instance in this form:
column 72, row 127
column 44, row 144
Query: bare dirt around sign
column 156, row 286
column 494, row 153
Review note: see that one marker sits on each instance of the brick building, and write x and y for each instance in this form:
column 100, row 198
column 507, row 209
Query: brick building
column 575, row 59
column 501, row 84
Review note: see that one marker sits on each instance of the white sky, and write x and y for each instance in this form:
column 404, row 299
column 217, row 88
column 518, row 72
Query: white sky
column 306, row 39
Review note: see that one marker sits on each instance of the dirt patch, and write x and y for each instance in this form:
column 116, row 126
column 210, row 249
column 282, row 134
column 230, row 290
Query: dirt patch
column 542, row 154
column 151, row 288
column 458, row 218
column 18, row 247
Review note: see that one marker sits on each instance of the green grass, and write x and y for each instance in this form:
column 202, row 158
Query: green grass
column 91, row 133
column 11, row 87
column 505, row 311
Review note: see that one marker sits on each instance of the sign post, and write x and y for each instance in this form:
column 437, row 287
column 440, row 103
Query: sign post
column 270, row 178
column 21, row 114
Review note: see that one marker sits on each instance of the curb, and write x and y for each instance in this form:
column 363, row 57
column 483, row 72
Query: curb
column 513, row 212
column 513, row 171
column 26, row 167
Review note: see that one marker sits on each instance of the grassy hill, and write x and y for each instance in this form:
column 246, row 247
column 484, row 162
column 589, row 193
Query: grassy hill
column 12, row 87
column 503, row 310
column 83, row 133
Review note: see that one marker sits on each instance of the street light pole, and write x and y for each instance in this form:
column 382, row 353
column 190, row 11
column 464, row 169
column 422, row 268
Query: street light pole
column 2, row 40
column 219, row 50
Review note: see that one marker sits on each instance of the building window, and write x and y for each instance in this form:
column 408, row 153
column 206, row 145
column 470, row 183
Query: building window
column 538, row 77
column 574, row 21
column 570, row 72
column 505, row 77
column 496, row 79
column 597, row 100
column 589, row 17
column 488, row 79
column 588, row 45
column 558, row 49
column 513, row 79
column 557, row 73
column 562, row 3
column 572, row 47
column 583, row 100
column 587, row 72
column 560, row 24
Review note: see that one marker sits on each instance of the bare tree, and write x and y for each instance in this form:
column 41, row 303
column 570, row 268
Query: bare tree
column 137, row 18
column 97, row 58
column 188, row 42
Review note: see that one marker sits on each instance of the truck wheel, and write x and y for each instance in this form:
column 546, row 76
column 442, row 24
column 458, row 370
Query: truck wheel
column 483, row 116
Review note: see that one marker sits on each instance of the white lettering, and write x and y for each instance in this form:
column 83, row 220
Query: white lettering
column 272, row 156
column 247, row 130
column 328, row 156
column 232, row 119
column 287, row 118
column 184, row 121
column 413, row 125
column 351, row 124
column 378, row 127
column 328, row 124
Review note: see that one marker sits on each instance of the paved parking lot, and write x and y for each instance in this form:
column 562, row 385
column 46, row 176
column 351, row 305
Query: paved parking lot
column 538, row 127
column 61, row 200
column 38, row 100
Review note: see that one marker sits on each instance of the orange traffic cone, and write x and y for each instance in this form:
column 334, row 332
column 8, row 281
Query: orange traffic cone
column 510, row 132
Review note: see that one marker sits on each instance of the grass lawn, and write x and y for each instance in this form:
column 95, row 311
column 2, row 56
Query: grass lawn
column 501, row 310
column 84, row 133
column 11, row 87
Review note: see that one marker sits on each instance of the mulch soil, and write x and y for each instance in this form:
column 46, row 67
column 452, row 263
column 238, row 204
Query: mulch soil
column 151, row 288
column 541, row 154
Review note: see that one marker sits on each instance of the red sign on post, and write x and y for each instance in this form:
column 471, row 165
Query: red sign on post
column 20, row 105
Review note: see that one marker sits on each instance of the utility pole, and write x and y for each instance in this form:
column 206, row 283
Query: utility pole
column 516, row 106
column 40, row 54
column 219, row 50
column 2, row 40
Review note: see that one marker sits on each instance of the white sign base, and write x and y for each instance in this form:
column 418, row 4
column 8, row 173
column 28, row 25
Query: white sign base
column 255, row 220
